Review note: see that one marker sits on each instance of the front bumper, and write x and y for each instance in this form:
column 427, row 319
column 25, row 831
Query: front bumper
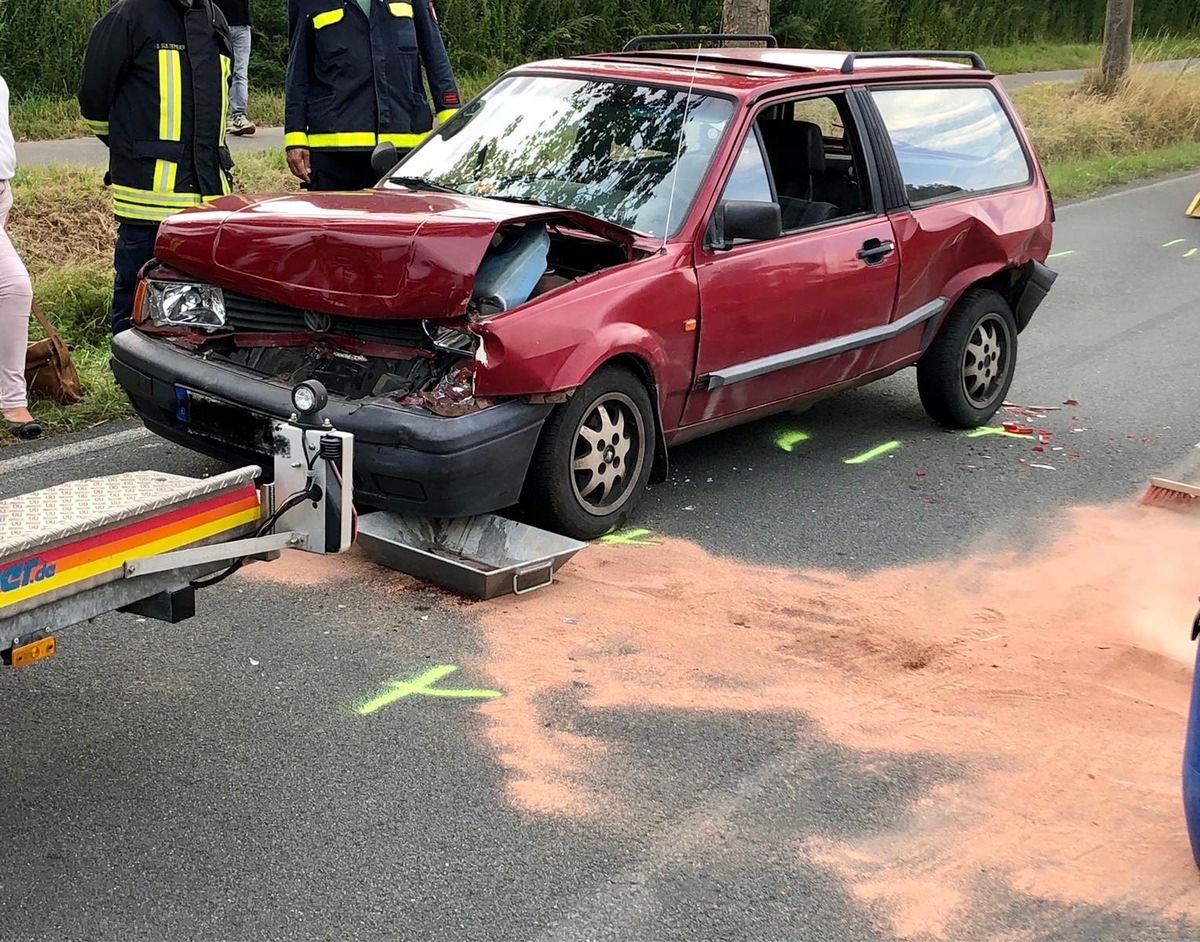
column 404, row 460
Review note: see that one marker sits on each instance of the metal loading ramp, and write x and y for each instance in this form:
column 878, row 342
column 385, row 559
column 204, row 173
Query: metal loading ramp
column 64, row 550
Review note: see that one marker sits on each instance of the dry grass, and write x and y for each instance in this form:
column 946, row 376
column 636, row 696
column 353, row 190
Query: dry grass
column 61, row 219
column 1150, row 111
column 62, row 216
column 1088, row 141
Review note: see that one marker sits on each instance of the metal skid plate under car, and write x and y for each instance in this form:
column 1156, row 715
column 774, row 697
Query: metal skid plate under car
column 483, row 556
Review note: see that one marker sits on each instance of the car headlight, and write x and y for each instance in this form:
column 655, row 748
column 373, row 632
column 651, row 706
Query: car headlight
column 184, row 304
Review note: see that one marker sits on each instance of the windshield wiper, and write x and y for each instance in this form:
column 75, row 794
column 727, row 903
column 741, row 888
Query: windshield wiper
column 533, row 200
column 420, row 183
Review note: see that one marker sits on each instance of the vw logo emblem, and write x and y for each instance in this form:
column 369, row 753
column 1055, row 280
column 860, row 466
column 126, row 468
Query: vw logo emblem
column 317, row 321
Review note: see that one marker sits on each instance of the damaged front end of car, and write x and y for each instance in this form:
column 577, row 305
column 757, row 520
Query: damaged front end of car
column 400, row 341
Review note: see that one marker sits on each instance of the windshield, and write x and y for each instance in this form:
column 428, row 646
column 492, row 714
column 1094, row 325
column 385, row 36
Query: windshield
column 609, row 149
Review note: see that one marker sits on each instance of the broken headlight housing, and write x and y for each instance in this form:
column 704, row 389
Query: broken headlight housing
column 183, row 304
column 449, row 340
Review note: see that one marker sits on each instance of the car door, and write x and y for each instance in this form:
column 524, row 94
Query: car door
column 968, row 201
column 783, row 317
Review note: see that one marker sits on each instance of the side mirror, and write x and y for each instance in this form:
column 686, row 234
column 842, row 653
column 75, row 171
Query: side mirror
column 747, row 219
column 383, row 158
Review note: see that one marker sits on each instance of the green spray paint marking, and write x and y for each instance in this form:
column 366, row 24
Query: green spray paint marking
column 1061, row 254
column 1190, row 252
column 1167, row 245
column 993, row 430
column 628, row 538
column 789, row 440
column 873, row 453
column 423, row 685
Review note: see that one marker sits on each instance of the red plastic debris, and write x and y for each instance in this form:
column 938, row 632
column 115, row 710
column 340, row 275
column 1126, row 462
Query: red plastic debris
column 920, row 474
column 1044, row 436
column 1016, row 428
column 1039, row 449
column 1070, row 402
column 1073, row 454
column 1145, row 441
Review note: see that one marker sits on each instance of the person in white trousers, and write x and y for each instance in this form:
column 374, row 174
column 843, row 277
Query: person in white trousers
column 16, row 296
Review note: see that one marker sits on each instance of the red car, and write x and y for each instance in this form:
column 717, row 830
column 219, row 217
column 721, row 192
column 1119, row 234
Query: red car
column 602, row 256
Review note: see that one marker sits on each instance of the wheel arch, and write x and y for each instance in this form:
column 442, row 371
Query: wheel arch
column 1023, row 287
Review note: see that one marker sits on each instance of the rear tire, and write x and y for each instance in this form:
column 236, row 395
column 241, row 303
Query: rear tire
column 967, row 370
column 594, row 458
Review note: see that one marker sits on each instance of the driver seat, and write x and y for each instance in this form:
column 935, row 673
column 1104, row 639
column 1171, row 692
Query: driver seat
column 796, row 154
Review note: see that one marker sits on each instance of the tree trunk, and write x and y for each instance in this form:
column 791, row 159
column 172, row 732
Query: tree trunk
column 1118, row 43
column 746, row 16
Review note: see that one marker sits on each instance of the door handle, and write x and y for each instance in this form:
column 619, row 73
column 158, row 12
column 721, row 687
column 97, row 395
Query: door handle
column 874, row 251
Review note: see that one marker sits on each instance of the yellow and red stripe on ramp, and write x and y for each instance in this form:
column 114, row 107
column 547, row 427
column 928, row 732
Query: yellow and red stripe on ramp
column 98, row 558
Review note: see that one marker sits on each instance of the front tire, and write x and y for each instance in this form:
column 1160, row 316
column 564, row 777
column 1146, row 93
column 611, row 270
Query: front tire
column 594, row 457
column 967, row 370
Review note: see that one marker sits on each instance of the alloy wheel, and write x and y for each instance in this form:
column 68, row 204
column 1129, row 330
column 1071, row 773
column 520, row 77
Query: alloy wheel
column 608, row 454
column 986, row 360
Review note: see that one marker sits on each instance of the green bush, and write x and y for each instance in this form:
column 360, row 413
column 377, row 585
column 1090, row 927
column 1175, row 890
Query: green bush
column 42, row 44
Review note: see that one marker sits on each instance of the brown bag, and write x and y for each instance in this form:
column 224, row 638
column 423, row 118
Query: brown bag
column 49, row 371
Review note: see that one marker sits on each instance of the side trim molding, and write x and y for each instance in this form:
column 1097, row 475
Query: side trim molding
column 819, row 351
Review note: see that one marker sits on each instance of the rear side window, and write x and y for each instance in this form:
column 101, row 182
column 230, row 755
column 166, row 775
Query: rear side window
column 951, row 141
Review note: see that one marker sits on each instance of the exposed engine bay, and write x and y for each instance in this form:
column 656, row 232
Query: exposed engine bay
column 415, row 363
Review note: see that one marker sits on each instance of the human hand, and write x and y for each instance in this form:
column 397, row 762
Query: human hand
column 299, row 163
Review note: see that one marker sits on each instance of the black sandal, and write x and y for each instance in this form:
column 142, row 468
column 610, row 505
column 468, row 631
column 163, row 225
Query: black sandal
column 27, row 431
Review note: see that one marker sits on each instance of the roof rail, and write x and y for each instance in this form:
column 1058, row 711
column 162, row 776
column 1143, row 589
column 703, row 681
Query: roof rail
column 638, row 41
column 848, row 65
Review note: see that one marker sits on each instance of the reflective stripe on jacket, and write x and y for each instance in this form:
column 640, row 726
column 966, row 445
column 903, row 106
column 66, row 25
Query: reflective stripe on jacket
column 155, row 88
column 354, row 81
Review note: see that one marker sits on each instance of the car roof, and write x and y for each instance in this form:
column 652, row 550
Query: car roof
column 749, row 69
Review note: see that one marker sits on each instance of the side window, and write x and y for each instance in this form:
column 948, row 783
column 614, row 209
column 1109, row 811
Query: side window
column 823, row 112
column 814, row 160
column 951, row 141
column 748, row 180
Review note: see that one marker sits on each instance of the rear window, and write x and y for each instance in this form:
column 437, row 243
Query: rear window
column 951, row 141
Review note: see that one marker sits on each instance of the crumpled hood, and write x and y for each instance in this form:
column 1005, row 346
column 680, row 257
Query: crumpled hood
column 377, row 254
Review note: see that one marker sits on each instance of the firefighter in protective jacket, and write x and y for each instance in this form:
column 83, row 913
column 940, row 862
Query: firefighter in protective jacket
column 354, row 81
column 155, row 89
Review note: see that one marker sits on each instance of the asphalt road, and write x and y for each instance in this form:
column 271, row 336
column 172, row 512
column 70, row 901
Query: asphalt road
column 210, row 781
column 91, row 151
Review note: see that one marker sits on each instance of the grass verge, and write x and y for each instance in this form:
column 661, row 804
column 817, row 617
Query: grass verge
column 62, row 221
column 1054, row 57
column 1088, row 141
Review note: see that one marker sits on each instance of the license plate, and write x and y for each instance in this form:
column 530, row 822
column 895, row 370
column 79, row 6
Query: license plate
column 208, row 417
column 33, row 651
